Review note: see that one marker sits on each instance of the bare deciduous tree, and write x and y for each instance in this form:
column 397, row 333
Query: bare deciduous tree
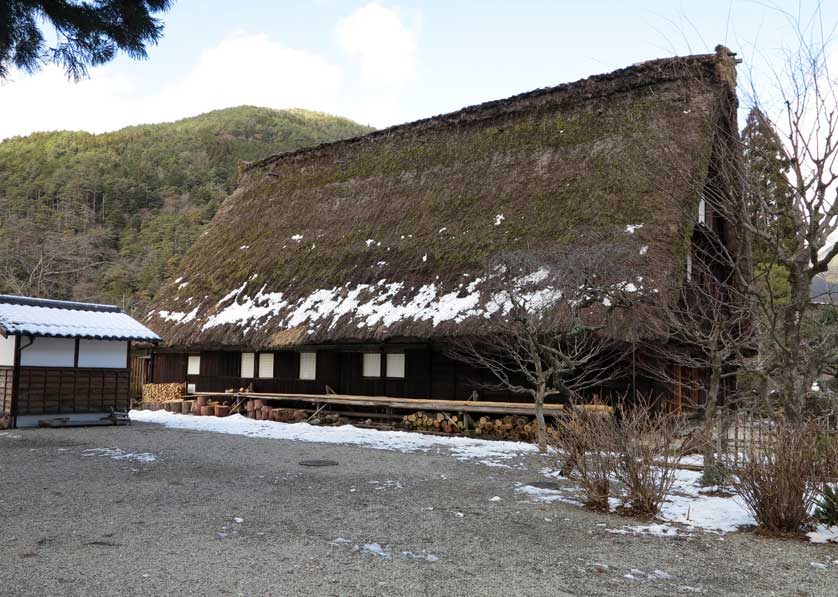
column 709, row 329
column 794, row 229
column 547, row 332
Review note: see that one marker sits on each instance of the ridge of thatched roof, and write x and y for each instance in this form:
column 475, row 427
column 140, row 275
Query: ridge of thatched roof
column 392, row 234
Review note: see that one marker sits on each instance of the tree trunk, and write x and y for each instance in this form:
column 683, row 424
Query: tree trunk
column 712, row 473
column 539, row 418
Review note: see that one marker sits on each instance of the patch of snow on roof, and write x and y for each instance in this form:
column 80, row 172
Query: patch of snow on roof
column 178, row 316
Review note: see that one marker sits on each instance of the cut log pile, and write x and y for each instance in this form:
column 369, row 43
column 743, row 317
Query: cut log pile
column 441, row 422
column 163, row 392
column 512, row 427
column 257, row 409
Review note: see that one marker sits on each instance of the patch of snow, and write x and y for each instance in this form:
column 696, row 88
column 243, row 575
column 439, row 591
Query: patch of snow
column 644, row 249
column 688, row 506
column 632, row 228
column 660, row 530
column 342, row 540
column 119, row 454
column 499, row 219
column 244, row 247
column 496, row 498
column 370, row 242
column 824, row 534
column 441, row 230
column 461, row 448
column 385, row 485
column 542, row 495
column 178, row 316
column 297, row 237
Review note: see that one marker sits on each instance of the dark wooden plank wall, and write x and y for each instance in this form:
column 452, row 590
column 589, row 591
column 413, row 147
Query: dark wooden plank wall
column 6, row 379
column 168, row 367
column 429, row 373
column 59, row 390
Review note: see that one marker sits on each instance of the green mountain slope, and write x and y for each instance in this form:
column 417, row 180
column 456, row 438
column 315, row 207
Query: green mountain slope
column 107, row 217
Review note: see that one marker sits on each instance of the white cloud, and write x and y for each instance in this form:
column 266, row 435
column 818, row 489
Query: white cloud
column 244, row 69
column 385, row 47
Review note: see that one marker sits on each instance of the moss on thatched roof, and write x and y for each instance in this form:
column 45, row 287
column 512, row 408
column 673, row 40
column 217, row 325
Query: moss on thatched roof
column 388, row 235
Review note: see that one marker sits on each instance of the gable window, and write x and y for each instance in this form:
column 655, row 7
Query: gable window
column 248, row 368
column 308, row 365
column 395, row 364
column 372, row 364
column 266, row 364
column 193, row 365
column 702, row 210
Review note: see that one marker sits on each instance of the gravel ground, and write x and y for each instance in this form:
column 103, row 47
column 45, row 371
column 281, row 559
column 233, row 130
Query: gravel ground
column 230, row 515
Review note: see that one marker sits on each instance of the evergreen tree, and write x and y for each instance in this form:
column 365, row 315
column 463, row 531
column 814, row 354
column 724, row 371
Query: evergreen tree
column 88, row 33
column 769, row 194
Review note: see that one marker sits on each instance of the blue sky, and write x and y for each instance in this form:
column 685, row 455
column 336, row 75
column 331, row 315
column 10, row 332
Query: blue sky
column 383, row 62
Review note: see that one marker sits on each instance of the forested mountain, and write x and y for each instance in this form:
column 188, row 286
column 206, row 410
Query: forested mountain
column 107, row 217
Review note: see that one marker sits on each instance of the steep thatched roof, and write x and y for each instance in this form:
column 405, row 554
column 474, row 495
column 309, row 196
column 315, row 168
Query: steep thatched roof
column 391, row 235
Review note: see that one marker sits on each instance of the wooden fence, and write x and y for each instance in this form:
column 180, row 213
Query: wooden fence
column 741, row 433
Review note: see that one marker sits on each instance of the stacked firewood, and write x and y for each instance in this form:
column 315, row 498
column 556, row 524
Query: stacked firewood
column 512, row 427
column 441, row 422
column 163, row 392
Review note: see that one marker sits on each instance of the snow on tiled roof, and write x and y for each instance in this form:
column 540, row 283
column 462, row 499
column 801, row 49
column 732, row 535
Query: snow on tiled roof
column 44, row 317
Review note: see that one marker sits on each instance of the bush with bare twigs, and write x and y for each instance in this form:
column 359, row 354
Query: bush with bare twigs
column 781, row 478
column 584, row 442
column 649, row 444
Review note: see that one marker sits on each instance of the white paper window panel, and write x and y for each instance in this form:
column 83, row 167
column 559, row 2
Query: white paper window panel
column 104, row 354
column 49, row 352
column 193, row 365
column 190, row 388
column 266, row 364
column 7, row 351
column 308, row 365
column 395, row 364
column 702, row 210
column 248, row 359
column 372, row 364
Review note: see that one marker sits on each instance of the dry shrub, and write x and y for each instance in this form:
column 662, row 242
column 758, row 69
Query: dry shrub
column 781, row 477
column 649, row 446
column 584, row 442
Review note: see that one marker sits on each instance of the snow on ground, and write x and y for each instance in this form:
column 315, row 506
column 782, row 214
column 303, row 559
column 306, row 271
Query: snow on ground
column 463, row 448
column 119, row 454
column 385, row 552
column 685, row 506
column 824, row 534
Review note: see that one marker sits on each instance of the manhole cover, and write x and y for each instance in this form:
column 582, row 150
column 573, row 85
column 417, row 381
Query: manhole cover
column 546, row 485
column 318, row 463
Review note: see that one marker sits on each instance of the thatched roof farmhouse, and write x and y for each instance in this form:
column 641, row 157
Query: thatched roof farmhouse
column 388, row 239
